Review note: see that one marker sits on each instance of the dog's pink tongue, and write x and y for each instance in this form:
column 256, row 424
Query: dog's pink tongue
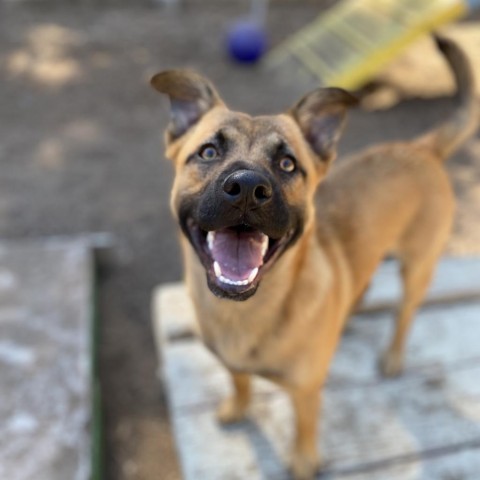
column 238, row 252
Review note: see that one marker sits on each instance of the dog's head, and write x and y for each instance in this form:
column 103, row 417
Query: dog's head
column 244, row 186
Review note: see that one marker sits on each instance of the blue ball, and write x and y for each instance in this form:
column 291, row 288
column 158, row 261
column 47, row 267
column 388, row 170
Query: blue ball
column 246, row 41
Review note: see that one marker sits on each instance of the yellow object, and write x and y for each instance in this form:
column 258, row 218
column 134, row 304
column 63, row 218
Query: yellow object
column 349, row 44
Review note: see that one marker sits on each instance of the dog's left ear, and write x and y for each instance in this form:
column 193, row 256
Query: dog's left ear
column 321, row 117
column 191, row 96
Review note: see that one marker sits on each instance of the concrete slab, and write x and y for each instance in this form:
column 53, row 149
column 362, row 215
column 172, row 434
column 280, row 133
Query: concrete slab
column 46, row 302
column 424, row 425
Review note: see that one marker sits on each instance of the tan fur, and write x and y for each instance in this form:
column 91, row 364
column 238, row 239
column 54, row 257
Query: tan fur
column 393, row 197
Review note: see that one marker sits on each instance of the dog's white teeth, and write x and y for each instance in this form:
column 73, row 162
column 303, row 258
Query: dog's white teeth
column 264, row 246
column 233, row 282
column 250, row 279
column 210, row 239
column 252, row 275
column 217, row 270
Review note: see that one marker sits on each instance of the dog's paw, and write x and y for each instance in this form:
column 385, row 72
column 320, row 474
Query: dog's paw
column 391, row 364
column 305, row 467
column 230, row 411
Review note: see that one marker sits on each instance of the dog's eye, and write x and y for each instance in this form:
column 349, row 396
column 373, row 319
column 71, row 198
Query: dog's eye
column 208, row 152
column 287, row 164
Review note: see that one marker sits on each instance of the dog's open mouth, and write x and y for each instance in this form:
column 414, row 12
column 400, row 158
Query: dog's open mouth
column 235, row 258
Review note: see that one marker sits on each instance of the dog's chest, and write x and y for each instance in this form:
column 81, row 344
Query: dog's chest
column 243, row 346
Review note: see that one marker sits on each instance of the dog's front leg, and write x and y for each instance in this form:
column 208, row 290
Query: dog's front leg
column 305, row 461
column 233, row 408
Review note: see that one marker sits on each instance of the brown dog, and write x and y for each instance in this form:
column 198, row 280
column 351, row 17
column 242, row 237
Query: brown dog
column 274, row 261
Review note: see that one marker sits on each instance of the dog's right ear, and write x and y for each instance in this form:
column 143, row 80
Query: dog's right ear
column 191, row 96
column 321, row 118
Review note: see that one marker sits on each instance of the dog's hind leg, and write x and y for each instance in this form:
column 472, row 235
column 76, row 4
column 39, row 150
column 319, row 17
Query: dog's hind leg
column 418, row 257
column 233, row 409
column 416, row 279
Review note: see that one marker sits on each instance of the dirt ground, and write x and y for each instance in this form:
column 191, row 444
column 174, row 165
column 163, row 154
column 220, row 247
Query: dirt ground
column 80, row 151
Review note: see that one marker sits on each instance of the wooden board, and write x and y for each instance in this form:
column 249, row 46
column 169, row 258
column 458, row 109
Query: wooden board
column 46, row 302
column 455, row 279
column 424, row 425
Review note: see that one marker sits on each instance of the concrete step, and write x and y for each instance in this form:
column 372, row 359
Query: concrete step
column 421, row 426
column 47, row 382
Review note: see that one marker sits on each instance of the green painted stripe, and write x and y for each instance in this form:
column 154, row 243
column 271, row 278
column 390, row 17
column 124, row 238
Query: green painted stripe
column 96, row 434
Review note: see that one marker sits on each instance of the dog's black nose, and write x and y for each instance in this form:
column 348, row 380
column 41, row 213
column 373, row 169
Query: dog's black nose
column 247, row 188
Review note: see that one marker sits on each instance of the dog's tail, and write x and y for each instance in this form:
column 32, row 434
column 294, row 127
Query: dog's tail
column 447, row 137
